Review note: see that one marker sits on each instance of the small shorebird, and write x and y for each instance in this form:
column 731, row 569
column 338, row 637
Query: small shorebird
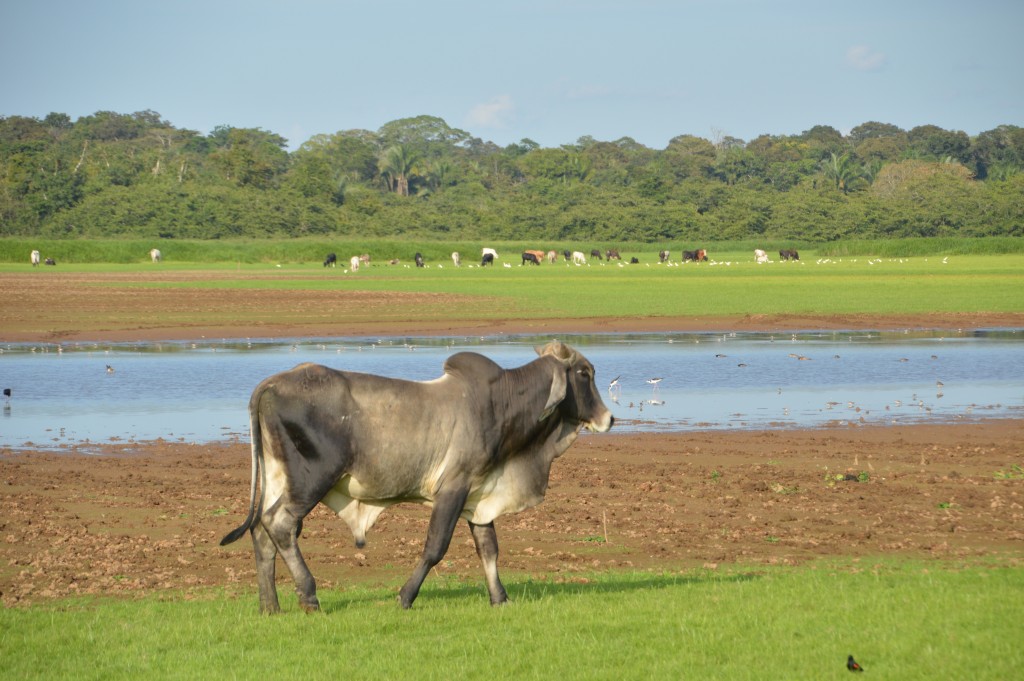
column 110, row 369
column 654, row 381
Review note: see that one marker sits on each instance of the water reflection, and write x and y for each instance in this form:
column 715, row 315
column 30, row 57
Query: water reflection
column 198, row 391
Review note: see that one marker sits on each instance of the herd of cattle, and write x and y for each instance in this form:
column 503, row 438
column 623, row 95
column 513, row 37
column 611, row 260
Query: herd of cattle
column 489, row 255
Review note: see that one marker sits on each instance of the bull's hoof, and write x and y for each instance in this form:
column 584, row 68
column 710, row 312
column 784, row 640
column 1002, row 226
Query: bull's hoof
column 310, row 606
column 270, row 609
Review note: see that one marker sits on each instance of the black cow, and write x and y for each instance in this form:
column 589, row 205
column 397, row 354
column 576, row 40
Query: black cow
column 595, row 253
column 49, row 261
column 530, row 258
column 689, row 256
column 476, row 443
column 331, row 260
column 419, row 259
column 488, row 259
column 634, row 260
column 789, row 254
column 663, row 256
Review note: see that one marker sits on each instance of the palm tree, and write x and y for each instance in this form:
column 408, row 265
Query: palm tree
column 396, row 165
column 841, row 170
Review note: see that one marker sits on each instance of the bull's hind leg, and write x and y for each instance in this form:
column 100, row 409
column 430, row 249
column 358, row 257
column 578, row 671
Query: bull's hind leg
column 266, row 557
column 282, row 526
column 486, row 540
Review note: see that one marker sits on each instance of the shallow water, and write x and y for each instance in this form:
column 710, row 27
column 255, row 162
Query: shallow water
column 198, row 392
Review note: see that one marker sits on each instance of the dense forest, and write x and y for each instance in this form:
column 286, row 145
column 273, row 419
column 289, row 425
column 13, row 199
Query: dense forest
column 136, row 175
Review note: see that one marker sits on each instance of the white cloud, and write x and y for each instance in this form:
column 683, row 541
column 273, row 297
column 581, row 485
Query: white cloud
column 491, row 114
column 863, row 58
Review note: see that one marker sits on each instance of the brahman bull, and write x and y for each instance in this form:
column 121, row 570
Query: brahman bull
column 760, row 256
column 353, row 263
column 578, row 258
column 155, row 255
column 456, row 258
column 476, row 443
column 35, row 258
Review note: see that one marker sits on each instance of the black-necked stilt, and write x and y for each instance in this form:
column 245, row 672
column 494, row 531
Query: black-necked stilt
column 7, row 394
column 110, row 369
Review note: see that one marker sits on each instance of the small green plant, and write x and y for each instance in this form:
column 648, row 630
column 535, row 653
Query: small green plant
column 945, row 504
column 716, row 476
column 1016, row 472
column 771, row 539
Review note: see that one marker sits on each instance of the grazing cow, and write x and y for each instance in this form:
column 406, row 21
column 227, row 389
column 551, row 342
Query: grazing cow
column 394, row 261
column 49, row 261
column 540, row 255
column 634, row 260
column 578, row 258
column 530, row 257
column 419, row 259
column 788, row 254
column 354, row 262
column 35, row 258
column 364, row 258
column 595, row 253
column 155, row 255
column 331, row 260
column 760, row 256
column 488, row 259
column 456, row 258
column 476, row 443
column 493, row 253
column 612, row 254
column 663, row 256
column 689, row 256
column 552, row 257
column 702, row 255
column 567, row 255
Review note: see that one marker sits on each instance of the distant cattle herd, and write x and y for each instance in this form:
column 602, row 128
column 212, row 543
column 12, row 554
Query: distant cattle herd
column 490, row 255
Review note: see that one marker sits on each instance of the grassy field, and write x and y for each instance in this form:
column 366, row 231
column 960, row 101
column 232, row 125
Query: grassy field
column 731, row 284
column 900, row 620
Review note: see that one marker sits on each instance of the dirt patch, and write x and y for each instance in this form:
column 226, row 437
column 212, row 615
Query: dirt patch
column 148, row 517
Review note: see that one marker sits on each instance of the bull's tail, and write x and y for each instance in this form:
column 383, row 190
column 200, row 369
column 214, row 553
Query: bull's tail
column 256, row 435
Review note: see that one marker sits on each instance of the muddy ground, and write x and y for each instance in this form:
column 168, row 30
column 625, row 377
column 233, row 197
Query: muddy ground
column 148, row 517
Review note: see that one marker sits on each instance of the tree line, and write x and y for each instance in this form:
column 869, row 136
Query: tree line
column 136, row 175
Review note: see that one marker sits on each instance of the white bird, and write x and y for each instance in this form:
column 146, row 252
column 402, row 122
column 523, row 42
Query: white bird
column 615, row 382
column 654, row 381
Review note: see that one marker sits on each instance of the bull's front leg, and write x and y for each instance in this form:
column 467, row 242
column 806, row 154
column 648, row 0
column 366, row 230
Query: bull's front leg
column 447, row 508
column 486, row 540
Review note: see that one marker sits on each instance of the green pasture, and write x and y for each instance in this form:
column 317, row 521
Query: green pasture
column 730, row 284
column 901, row 620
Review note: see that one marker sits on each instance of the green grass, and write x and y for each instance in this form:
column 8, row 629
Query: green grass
column 902, row 620
column 855, row 285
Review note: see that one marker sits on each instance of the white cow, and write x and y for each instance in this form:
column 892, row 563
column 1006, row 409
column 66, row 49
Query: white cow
column 760, row 256
column 35, row 258
column 578, row 258
column 456, row 258
column 353, row 263
column 493, row 253
column 155, row 255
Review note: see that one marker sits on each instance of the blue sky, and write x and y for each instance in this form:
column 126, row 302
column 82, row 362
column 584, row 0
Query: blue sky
column 549, row 71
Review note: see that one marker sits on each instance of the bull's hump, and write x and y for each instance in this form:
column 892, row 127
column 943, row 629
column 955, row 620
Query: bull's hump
column 472, row 365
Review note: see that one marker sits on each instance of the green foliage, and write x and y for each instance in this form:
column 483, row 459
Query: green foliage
column 899, row 619
column 136, row 175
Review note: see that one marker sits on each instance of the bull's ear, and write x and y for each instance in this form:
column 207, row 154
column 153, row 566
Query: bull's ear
column 558, row 350
column 557, row 394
